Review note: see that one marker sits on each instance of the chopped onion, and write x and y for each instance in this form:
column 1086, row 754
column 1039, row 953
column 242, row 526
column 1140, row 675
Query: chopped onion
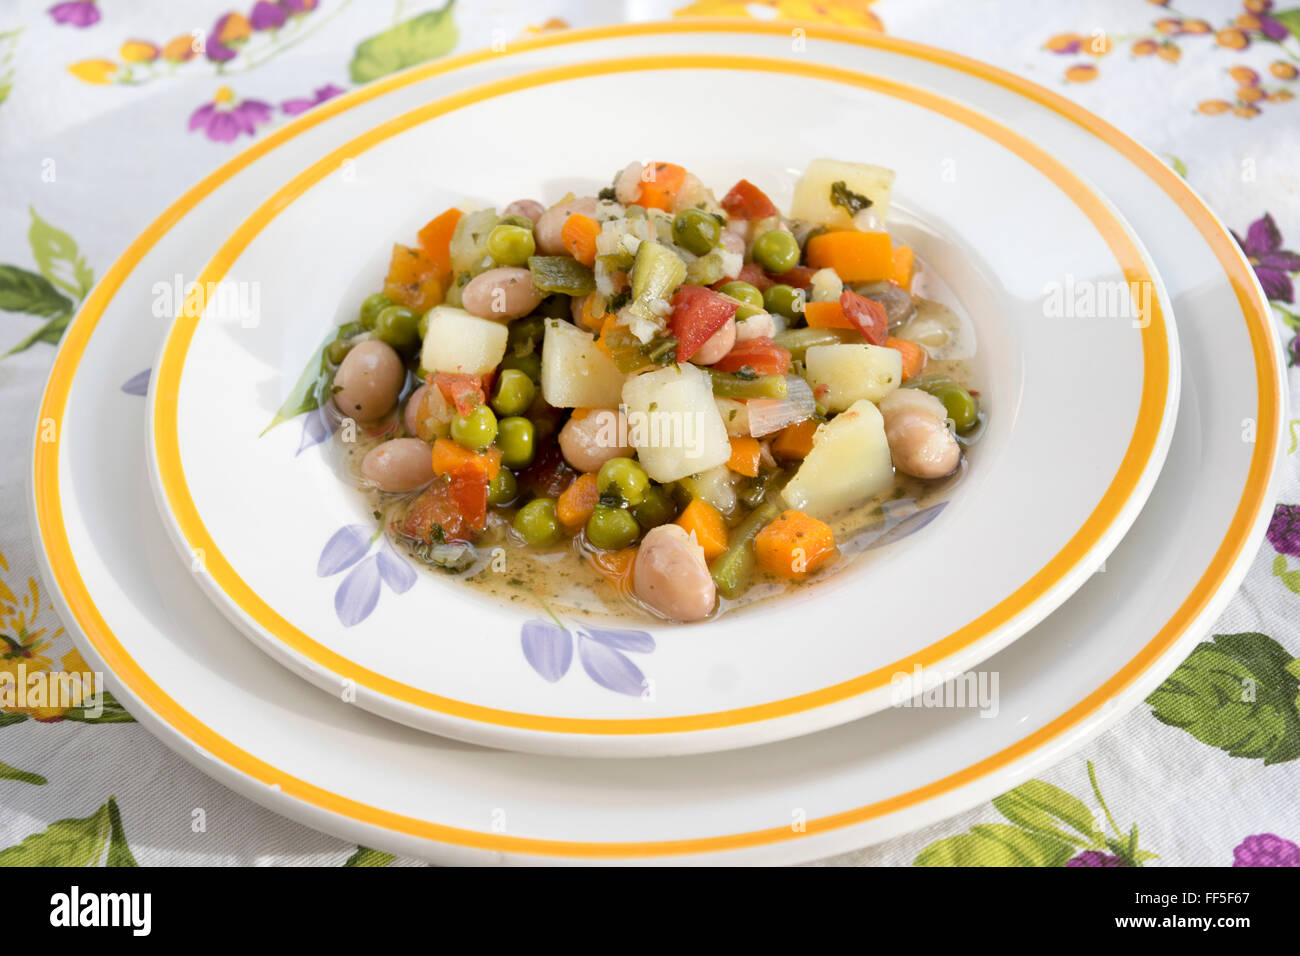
column 768, row 415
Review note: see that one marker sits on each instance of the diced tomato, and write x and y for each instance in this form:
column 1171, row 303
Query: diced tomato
column 867, row 316
column 463, row 391
column 800, row 277
column 469, row 491
column 435, row 508
column 697, row 313
column 761, row 354
column 747, row 201
column 549, row 474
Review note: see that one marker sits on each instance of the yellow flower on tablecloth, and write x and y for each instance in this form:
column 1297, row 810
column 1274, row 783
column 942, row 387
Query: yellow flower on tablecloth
column 22, row 644
column 845, row 13
column 100, row 72
column 138, row 51
column 179, row 49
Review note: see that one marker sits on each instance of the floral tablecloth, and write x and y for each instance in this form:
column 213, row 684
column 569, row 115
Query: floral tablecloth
column 161, row 91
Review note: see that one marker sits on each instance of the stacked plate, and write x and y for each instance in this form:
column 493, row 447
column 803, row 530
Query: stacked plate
column 1065, row 570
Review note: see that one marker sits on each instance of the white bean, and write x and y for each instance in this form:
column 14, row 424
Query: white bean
column 920, row 441
column 590, row 441
column 400, row 465
column 503, row 293
column 671, row 575
column 547, row 229
column 717, row 345
column 530, row 209
column 368, row 381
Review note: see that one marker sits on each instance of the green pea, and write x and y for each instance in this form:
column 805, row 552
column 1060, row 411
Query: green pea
column 530, row 365
column 371, row 308
column 476, row 430
column 538, row 523
column 696, row 231
column 634, row 211
column 514, row 392
column 959, row 404
column 657, row 508
column 776, row 251
column 743, row 291
column 398, row 326
column 784, row 299
column 503, row 488
column 612, row 528
column 338, row 351
column 516, row 439
column 625, row 478
column 511, row 245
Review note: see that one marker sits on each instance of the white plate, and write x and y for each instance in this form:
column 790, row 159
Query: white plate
column 1060, row 472
column 196, row 682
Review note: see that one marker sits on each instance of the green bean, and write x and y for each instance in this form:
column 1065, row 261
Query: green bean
column 732, row 568
column 731, row 385
column 799, row 341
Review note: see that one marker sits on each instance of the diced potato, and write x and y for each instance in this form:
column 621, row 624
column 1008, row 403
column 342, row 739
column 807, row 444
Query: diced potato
column 852, row 372
column 812, row 193
column 674, row 423
column 849, row 463
column 456, row 341
column 575, row 373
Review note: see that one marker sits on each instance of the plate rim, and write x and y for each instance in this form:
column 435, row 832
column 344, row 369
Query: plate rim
column 1246, row 523
column 994, row 628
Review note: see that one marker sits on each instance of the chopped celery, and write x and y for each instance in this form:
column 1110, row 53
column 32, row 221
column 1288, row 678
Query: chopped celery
column 468, row 246
column 733, row 385
column 561, row 274
column 656, row 273
column 707, row 269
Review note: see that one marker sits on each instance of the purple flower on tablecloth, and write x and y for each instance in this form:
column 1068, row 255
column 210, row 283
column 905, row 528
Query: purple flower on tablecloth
column 1266, row 849
column 303, row 104
column 267, row 16
column 1284, row 530
column 229, row 32
column 358, row 593
column 75, row 13
column 548, row 647
column 299, row 6
column 1095, row 858
column 225, row 118
column 1272, row 263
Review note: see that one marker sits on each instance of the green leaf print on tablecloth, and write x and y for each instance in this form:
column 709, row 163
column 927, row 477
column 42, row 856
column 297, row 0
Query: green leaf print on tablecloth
column 1049, row 827
column 1237, row 693
column 63, row 281
column 417, row 40
column 368, row 857
column 13, row 773
column 75, row 842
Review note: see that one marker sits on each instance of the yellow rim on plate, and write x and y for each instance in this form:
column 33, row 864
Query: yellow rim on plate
column 1133, row 466
column 50, row 523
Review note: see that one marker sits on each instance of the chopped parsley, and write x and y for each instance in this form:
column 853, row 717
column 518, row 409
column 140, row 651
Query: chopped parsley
column 842, row 195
